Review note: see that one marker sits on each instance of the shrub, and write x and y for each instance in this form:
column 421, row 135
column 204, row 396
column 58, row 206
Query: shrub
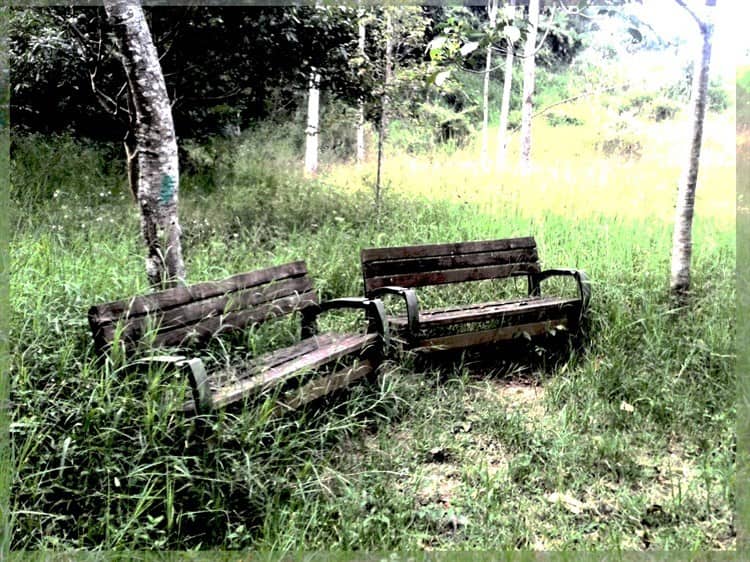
column 559, row 119
column 621, row 138
column 634, row 103
column 662, row 109
column 624, row 145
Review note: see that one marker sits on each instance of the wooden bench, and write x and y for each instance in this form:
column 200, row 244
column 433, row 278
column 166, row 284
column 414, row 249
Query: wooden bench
column 399, row 270
column 189, row 317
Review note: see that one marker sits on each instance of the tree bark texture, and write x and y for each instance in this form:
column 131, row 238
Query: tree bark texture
column 312, row 133
column 502, row 133
column 529, row 68
column 492, row 13
column 682, row 244
column 153, row 163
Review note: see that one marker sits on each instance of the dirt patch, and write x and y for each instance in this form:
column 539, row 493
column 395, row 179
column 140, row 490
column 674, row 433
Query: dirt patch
column 525, row 395
column 438, row 484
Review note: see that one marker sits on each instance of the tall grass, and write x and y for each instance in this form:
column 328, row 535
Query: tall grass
column 628, row 444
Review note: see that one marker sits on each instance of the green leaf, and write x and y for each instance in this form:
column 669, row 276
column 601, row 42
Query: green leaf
column 512, row 33
column 441, row 77
column 469, row 48
column 437, row 43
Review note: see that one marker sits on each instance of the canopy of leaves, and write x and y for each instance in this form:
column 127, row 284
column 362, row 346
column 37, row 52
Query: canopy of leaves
column 223, row 65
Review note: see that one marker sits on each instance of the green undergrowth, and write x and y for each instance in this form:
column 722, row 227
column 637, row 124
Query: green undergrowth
column 627, row 443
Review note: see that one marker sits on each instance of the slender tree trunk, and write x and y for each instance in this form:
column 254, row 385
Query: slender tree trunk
column 361, row 102
column 7, row 451
column 529, row 68
column 492, row 13
column 502, row 132
column 312, row 133
column 682, row 244
column 155, row 165
column 384, row 102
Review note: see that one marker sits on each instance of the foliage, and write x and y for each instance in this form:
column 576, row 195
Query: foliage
column 718, row 97
column 560, row 119
column 621, row 138
column 61, row 48
column 454, row 455
column 652, row 105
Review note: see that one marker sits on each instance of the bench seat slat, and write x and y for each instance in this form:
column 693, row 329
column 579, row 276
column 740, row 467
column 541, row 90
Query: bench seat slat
column 451, row 276
column 457, row 341
column 319, row 387
column 456, row 261
column 525, row 310
column 426, row 250
column 332, row 350
column 287, row 354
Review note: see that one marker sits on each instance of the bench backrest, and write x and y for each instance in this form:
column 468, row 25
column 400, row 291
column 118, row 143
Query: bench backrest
column 435, row 264
column 195, row 313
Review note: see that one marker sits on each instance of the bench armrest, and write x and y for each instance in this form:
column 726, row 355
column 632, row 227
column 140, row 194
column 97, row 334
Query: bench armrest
column 584, row 286
column 192, row 367
column 412, row 305
column 374, row 310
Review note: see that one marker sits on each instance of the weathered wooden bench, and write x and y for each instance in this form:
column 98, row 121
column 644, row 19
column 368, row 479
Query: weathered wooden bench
column 399, row 270
column 188, row 317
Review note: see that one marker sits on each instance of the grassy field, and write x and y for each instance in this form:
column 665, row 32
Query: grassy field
column 629, row 445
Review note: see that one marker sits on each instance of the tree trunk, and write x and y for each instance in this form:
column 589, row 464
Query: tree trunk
column 313, row 123
column 682, row 237
column 384, row 102
column 155, row 165
column 361, row 103
column 529, row 67
column 502, row 133
column 492, row 13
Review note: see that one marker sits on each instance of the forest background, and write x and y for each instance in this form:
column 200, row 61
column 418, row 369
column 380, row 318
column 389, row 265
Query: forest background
column 631, row 444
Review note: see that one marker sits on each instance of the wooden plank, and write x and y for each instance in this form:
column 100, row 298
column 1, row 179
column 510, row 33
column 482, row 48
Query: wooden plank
column 321, row 386
column 272, row 359
column 456, row 261
column 235, row 321
column 307, row 345
column 187, row 315
column 518, row 312
column 428, row 250
column 457, row 341
column 281, row 373
column 232, row 376
column 214, row 325
column 451, row 276
column 177, row 296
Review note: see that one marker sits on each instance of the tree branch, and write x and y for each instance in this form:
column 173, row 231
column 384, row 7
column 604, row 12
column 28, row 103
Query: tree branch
column 566, row 100
column 689, row 10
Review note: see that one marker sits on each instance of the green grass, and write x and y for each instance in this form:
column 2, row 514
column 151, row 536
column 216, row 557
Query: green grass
column 628, row 445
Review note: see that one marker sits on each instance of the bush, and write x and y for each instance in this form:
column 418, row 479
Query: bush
column 662, row 109
column 634, row 103
column 679, row 91
column 46, row 167
column 624, row 145
column 620, row 139
column 559, row 119
column 447, row 126
column 650, row 105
